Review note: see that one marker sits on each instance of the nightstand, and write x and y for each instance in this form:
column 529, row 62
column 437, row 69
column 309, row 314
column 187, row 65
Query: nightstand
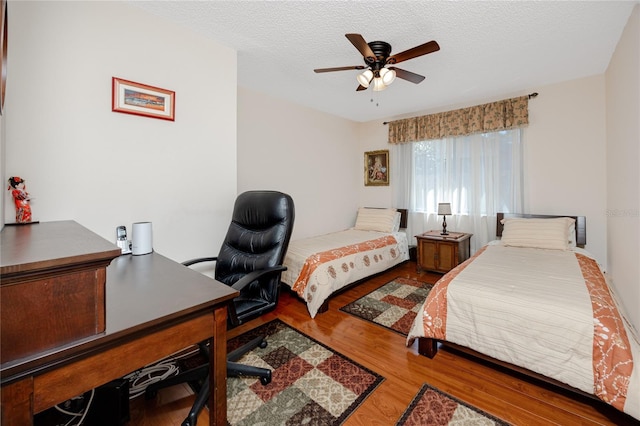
column 442, row 253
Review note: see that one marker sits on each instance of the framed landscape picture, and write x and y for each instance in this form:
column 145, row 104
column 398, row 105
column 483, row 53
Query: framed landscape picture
column 140, row 99
column 376, row 168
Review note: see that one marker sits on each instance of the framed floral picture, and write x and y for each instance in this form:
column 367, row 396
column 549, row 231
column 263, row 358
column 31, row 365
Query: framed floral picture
column 376, row 168
column 130, row 97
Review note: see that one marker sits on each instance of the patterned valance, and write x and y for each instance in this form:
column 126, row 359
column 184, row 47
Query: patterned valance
column 501, row 115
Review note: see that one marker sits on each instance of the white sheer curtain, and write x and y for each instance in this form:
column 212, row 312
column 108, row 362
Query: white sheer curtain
column 479, row 174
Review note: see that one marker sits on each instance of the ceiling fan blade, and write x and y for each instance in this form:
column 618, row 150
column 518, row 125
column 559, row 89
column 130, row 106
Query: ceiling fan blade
column 358, row 41
column 355, row 67
column 361, row 87
column 423, row 49
column 407, row 75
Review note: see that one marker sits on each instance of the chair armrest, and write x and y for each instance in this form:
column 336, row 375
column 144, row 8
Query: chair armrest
column 199, row 260
column 254, row 275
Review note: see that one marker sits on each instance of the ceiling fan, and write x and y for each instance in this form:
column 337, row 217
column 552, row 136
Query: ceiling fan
column 379, row 63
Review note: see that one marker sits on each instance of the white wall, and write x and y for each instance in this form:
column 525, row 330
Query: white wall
column 313, row 156
column 623, row 174
column 565, row 147
column 83, row 162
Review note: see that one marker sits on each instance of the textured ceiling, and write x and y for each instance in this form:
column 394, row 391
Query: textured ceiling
column 488, row 49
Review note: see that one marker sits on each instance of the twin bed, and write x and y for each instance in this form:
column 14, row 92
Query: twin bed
column 318, row 267
column 538, row 303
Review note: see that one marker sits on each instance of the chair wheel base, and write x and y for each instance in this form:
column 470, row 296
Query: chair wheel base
column 266, row 380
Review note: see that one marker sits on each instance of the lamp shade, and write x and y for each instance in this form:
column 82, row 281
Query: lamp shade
column 378, row 84
column 387, row 76
column 444, row 208
column 365, row 78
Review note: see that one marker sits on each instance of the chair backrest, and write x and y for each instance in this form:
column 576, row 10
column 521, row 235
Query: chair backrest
column 257, row 238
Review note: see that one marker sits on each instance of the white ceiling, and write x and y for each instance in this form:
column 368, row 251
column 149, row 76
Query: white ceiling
column 488, row 49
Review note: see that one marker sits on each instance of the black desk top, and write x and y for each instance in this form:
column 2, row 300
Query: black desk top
column 142, row 293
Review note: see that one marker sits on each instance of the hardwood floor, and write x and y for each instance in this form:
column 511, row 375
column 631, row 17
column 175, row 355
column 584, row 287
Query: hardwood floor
column 515, row 399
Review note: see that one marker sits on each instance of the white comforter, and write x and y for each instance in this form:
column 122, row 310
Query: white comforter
column 331, row 261
column 536, row 309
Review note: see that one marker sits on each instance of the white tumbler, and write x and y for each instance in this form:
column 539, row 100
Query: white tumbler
column 141, row 238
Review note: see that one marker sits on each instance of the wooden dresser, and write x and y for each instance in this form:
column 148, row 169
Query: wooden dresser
column 52, row 286
column 442, row 253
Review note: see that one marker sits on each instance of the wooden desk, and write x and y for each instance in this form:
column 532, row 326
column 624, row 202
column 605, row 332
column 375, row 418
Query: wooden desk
column 154, row 307
column 61, row 266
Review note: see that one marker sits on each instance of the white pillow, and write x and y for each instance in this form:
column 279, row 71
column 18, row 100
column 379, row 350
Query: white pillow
column 538, row 233
column 396, row 223
column 381, row 220
column 572, row 236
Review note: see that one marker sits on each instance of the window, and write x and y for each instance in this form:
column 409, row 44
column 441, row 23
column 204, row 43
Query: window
column 479, row 174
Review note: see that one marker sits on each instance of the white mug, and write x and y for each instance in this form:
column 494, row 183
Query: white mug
column 141, row 238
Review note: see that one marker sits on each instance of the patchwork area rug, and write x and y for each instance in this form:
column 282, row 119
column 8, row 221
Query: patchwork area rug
column 394, row 305
column 431, row 406
column 311, row 384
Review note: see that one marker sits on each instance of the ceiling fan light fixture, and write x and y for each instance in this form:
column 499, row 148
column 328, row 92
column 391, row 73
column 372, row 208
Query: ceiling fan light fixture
column 379, row 65
column 388, row 76
column 365, row 78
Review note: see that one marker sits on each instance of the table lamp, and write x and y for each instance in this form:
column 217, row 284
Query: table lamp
column 444, row 209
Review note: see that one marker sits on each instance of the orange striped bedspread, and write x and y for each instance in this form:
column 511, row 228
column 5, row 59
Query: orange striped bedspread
column 319, row 266
column 549, row 311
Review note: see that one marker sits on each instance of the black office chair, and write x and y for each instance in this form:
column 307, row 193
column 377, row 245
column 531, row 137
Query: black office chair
column 250, row 261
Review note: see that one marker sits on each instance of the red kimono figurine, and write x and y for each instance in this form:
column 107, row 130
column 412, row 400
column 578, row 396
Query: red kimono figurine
column 21, row 199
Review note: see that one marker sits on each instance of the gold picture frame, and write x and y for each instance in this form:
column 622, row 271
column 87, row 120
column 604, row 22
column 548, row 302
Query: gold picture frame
column 376, row 168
